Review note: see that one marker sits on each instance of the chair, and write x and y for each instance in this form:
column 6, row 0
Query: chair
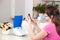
column 18, row 21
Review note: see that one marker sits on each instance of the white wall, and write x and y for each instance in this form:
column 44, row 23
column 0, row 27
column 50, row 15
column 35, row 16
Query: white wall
column 5, row 10
column 10, row 8
column 28, row 7
column 36, row 2
column 19, row 7
column 22, row 7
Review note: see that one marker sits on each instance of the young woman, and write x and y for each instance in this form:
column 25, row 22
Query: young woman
column 52, row 30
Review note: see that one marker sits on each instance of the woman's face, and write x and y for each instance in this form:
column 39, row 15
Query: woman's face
column 47, row 18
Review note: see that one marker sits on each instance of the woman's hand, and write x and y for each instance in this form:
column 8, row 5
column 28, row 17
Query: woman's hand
column 28, row 19
column 31, row 21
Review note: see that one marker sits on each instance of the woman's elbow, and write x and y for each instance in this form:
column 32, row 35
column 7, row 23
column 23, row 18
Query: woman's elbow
column 34, row 38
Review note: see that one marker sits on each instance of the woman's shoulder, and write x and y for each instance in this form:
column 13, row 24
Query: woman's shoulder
column 49, row 27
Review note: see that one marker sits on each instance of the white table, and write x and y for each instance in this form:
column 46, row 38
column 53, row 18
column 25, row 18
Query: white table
column 25, row 26
column 12, row 37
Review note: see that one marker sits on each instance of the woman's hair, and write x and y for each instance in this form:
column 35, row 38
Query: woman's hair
column 54, row 11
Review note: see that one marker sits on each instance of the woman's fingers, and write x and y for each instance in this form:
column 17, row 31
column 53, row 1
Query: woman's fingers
column 33, row 21
column 28, row 20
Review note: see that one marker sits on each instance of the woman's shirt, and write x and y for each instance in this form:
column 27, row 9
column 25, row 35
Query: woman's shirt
column 52, row 33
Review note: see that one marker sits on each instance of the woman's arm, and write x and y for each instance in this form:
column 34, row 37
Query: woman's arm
column 41, row 33
column 34, row 23
column 39, row 36
column 37, row 28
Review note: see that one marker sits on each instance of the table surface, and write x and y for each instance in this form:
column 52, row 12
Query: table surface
column 25, row 26
column 13, row 37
